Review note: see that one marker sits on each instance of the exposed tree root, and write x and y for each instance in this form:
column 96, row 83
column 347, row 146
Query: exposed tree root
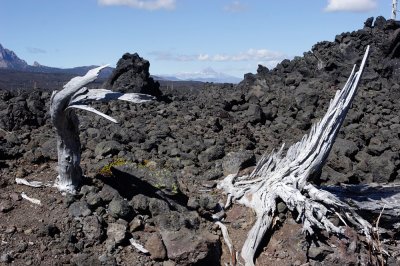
column 278, row 177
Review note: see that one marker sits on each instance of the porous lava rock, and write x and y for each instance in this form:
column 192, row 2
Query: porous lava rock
column 132, row 75
column 173, row 151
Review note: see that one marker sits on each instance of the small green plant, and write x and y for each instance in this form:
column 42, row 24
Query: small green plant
column 160, row 186
column 106, row 170
column 162, row 179
column 175, row 189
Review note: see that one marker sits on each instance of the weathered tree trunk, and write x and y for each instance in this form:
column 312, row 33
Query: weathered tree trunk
column 285, row 177
column 65, row 121
column 394, row 9
column 66, row 124
column 69, row 151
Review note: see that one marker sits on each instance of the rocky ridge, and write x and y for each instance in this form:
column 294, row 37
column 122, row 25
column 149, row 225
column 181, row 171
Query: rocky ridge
column 10, row 63
column 8, row 59
column 151, row 178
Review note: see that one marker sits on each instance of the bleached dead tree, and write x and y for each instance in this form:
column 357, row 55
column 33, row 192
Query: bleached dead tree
column 285, row 178
column 75, row 95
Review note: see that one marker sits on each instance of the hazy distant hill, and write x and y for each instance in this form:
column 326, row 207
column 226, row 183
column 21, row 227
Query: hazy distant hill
column 105, row 73
column 37, row 75
column 11, row 79
column 206, row 75
column 9, row 60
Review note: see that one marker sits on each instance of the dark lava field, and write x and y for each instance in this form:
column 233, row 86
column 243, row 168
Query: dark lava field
column 152, row 177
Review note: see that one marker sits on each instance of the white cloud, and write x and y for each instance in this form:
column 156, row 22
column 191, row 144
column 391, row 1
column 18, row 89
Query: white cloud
column 263, row 55
column 141, row 4
column 351, row 5
column 35, row 50
column 235, row 7
column 221, row 58
column 249, row 55
column 168, row 56
column 203, row 57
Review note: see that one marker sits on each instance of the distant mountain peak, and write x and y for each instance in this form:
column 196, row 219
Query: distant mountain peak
column 209, row 70
column 36, row 64
column 8, row 59
column 207, row 75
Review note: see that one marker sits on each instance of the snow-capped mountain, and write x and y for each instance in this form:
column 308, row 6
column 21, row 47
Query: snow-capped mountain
column 206, row 75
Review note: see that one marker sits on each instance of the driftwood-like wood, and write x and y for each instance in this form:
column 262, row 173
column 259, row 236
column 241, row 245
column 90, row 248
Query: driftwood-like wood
column 65, row 121
column 372, row 200
column 285, row 178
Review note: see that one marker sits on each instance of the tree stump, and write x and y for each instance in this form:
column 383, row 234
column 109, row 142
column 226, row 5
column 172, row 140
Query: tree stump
column 66, row 123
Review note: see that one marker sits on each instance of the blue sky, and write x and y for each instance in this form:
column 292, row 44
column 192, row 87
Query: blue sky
column 177, row 35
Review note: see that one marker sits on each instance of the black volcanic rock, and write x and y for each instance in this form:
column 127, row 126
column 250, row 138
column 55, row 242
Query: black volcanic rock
column 368, row 22
column 175, row 151
column 132, row 75
column 23, row 109
column 298, row 92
